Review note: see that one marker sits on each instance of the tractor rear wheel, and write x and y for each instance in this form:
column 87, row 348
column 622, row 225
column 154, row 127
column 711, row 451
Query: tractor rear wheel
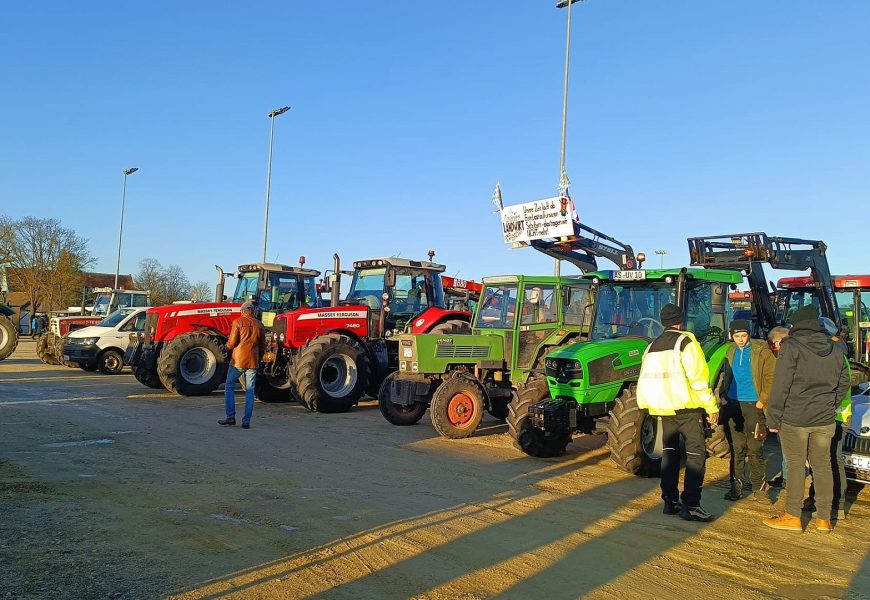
column 529, row 439
column 271, row 389
column 633, row 437
column 398, row 414
column 457, row 407
column 332, row 373
column 451, row 327
column 717, row 444
column 8, row 337
column 110, row 362
column 193, row 364
column 148, row 377
column 45, row 349
column 82, row 366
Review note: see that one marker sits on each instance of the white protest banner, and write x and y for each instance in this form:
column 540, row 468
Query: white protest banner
column 549, row 218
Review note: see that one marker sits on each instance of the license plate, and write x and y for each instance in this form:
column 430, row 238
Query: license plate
column 66, row 356
column 629, row 275
column 857, row 462
column 407, row 352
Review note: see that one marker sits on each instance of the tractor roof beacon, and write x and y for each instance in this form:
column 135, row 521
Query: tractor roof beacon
column 591, row 384
column 518, row 320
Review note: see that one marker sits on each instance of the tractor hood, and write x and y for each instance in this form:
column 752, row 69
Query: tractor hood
column 630, row 348
column 209, row 308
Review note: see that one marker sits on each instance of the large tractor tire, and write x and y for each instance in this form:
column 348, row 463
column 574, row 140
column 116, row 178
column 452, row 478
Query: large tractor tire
column 193, row 364
column 8, row 337
column 83, row 367
column 717, row 444
column 452, row 327
column 110, row 362
column 269, row 389
column 45, row 349
column 398, row 414
column 457, row 407
column 148, row 377
column 331, row 373
column 531, row 440
column 633, row 437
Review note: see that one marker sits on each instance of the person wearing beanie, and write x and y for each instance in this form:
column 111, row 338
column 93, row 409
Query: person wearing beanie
column 747, row 378
column 247, row 343
column 674, row 385
column 811, row 380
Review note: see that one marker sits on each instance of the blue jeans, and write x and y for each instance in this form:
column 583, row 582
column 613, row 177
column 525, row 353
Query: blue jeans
column 233, row 375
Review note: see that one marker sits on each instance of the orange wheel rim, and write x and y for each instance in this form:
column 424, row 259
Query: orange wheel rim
column 460, row 410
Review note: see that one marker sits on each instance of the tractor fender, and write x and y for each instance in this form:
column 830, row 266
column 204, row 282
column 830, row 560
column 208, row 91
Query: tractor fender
column 432, row 316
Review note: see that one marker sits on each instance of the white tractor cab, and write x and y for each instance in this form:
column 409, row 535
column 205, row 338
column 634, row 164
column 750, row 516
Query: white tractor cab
column 856, row 444
column 102, row 346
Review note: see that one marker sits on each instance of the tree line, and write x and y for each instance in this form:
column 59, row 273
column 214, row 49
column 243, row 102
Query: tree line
column 48, row 262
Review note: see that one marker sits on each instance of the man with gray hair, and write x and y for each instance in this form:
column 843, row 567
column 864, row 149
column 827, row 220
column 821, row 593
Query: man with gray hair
column 247, row 344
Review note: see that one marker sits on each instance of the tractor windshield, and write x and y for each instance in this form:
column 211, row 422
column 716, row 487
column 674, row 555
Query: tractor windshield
column 796, row 299
column 497, row 308
column 281, row 292
column 630, row 309
column 414, row 289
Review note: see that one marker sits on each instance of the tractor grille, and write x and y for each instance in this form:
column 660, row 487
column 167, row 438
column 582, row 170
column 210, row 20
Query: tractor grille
column 856, row 445
column 462, row 352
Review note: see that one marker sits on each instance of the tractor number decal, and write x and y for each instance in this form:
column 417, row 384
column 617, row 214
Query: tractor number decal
column 444, row 342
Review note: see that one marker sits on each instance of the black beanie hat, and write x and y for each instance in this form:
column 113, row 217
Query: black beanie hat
column 807, row 313
column 671, row 315
column 740, row 326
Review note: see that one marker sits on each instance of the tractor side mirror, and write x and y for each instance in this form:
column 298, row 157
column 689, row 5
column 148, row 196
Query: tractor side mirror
column 719, row 296
column 390, row 278
column 535, row 296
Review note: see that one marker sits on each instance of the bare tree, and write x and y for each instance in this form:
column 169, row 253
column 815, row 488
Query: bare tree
column 174, row 284
column 201, row 291
column 150, row 277
column 45, row 258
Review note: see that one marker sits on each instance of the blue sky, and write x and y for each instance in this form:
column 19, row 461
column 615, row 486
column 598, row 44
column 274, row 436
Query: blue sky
column 685, row 118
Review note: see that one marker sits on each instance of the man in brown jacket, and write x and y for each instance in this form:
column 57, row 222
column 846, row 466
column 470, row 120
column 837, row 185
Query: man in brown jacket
column 247, row 344
column 749, row 366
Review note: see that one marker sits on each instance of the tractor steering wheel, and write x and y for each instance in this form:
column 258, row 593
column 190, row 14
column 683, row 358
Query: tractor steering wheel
column 650, row 328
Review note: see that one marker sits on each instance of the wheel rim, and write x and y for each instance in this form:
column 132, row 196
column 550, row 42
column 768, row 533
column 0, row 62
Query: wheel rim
column 461, row 410
column 112, row 362
column 649, row 437
column 338, row 375
column 198, row 365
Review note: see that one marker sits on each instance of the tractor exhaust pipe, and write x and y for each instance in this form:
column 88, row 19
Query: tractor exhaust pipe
column 335, row 287
column 219, row 288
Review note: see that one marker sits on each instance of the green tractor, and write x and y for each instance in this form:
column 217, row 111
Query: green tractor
column 8, row 328
column 518, row 320
column 592, row 383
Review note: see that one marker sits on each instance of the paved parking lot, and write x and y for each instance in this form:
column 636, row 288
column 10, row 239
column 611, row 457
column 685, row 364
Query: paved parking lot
column 110, row 489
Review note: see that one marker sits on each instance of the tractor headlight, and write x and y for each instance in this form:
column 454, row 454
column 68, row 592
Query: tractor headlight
column 403, row 366
column 281, row 338
column 414, row 367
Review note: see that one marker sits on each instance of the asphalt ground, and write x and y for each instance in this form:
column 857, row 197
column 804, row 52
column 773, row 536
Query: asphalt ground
column 111, row 490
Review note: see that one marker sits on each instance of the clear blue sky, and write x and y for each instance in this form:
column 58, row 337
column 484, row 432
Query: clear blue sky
column 686, row 118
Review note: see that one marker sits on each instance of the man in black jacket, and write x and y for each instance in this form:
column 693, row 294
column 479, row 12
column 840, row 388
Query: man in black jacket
column 810, row 380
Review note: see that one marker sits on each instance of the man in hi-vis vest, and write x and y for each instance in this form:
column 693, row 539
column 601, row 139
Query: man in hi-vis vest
column 674, row 385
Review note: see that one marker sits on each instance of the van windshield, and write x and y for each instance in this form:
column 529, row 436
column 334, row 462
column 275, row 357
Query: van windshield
column 115, row 318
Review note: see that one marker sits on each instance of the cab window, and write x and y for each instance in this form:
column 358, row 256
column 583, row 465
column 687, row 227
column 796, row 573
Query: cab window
column 539, row 305
column 497, row 308
column 576, row 312
column 136, row 324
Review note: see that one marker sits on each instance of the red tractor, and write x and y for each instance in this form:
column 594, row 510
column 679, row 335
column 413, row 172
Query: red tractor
column 333, row 356
column 183, row 347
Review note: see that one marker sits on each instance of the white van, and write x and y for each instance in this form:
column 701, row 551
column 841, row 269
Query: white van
column 856, row 444
column 102, row 346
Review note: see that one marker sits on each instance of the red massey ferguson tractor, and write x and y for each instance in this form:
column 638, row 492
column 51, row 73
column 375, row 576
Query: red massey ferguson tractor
column 183, row 347
column 329, row 358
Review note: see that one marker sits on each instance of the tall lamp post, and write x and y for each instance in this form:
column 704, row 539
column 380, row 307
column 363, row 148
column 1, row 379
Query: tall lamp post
column 275, row 113
column 661, row 253
column 563, row 174
column 126, row 172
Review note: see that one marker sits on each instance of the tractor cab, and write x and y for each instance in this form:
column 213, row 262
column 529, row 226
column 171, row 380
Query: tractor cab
column 274, row 288
column 108, row 300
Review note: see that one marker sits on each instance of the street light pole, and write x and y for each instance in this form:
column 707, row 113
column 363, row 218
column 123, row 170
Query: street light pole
column 563, row 175
column 661, row 253
column 271, row 115
column 126, row 172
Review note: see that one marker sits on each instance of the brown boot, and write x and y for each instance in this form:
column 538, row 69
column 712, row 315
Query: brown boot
column 824, row 526
column 785, row 522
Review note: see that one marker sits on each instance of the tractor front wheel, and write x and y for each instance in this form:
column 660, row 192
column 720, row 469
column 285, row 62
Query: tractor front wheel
column 273, row 389
column 45, row 349
column 147, row 377
column 531, row 440
column 398, row 414
column 332, row 373
column 633, row 437
column 717, row 444
column 8, row 337
column 457, row 407
column 193, row 364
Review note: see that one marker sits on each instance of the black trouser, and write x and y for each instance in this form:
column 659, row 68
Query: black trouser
column 690, row 425
column 742, row 420
column 839, row 471
column 813, row 444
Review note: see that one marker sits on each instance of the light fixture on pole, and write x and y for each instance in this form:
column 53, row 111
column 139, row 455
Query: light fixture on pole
column 661, row 253
column 126, row 172
column 275, row 113
column 563, row 174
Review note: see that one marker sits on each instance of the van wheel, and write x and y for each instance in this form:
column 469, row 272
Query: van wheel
column 110, row 362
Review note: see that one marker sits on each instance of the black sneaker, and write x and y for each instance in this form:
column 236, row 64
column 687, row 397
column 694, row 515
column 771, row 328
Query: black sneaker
column 227, row 422
column 672, row 508
column 777, row 482
column 736, row 491
column 246, row 425
column 695, row 513
column 809, row 505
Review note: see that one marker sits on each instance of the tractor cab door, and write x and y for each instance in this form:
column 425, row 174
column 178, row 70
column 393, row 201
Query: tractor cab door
column 706, row 314
column 538, row 318
column 281, row 292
